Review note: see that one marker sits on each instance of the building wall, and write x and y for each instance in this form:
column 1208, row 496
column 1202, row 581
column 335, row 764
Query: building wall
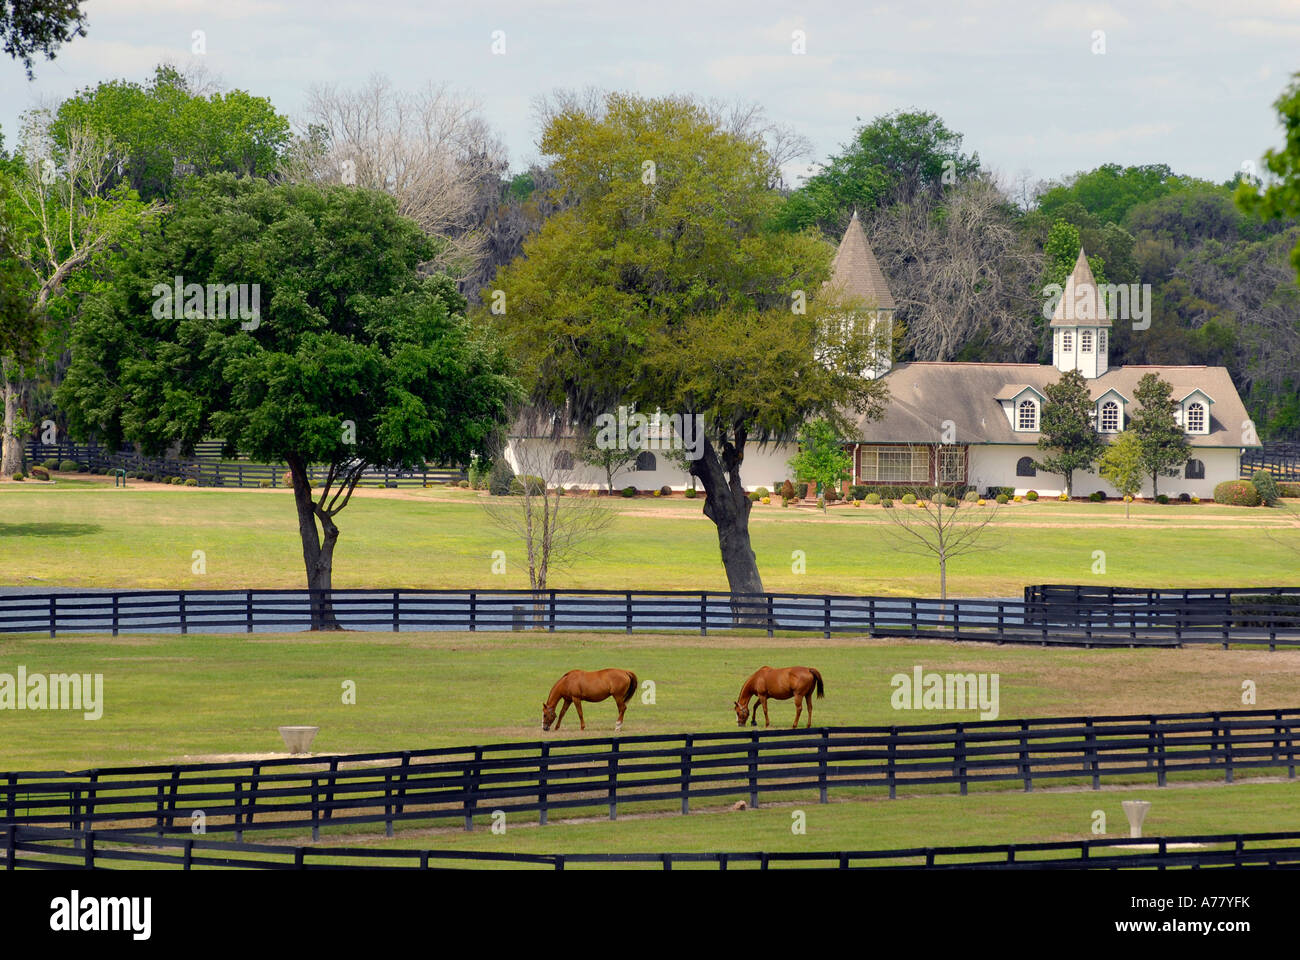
column 994, row 465
column 762, row 467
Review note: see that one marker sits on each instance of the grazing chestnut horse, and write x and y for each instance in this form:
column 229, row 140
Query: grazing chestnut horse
column 768, row 683
column 579, row 685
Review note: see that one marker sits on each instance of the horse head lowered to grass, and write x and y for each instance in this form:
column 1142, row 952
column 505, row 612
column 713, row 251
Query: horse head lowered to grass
column 779, row 684
column 579, row 685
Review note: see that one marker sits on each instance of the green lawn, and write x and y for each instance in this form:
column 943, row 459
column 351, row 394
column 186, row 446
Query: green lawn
column 167, row 698
column 82, row 532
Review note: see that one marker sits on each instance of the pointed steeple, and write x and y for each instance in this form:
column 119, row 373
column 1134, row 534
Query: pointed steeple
column 1081, row 302
column 855, row 272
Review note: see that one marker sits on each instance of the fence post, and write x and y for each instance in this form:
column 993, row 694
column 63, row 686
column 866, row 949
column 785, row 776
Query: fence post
column 959, row 756
column 891, row 771
column 471, row 788
column 543, row 766
column 1160, row 759
column 401, row 792
column 871, row 615
column 915, row 629
column 248, row 611
column 753, row 768
column 769, row 615
column 1091, row 760
column 397, row 601
column 329, row 794
column 823, row 752
column 239, row 807
column 388, row 803
column 686, row 774
column 53, row 615
column 315, row 809
column 704, row 614
column 826, row 618
column 1227, row 751
column 1002, row 628
column 473, row 611
column 551, row 627
column 184, row 626
column 956, row 620
column 613, row 780
column 629, row 612
column 115, row 619
column 1026, row 771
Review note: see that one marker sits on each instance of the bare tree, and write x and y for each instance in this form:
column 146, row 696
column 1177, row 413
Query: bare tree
column 432, row 150
column 939, row 524
column 556, row 524
column 961, row 272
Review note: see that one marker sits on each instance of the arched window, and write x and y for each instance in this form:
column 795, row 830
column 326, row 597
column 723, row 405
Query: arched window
column 645, row 461
column 1067, row 341
column 1027, row 415
column 563, row 460
column 1085, row 341
column 1196, row 418
column 1110, row 417
column 1195, row 470
column 1025, row 467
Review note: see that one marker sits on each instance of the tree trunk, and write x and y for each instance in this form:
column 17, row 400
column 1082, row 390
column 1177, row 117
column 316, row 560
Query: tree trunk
column 11, row 451
column 726, row 504
column 317, row 554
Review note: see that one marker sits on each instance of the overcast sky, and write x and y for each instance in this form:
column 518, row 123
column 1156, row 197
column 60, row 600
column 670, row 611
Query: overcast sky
column 1185, row 82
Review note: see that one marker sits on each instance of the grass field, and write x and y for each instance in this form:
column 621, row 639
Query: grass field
column 168, row 698
column 82, row 532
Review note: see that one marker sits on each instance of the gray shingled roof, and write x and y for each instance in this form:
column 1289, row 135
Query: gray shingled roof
column 924, row 395
column 855, row 272
column 1081, row 302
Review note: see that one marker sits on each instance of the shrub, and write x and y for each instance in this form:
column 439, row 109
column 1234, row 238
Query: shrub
column 909, row 498
column 1162, row 498
column 1096, row 496
column 992, row 493
column 767, row 499
column 191, row 482
column 1064, row 498
column 787, row 490
column 477, row 474
column 665, row 491
column 1128, row 498
column 82, row 468
column 1266, row 486
column 1031, row 495
column 763, row 492
column 67, row 466
column 873, row 498
column 831, row 493
column 527, row 483
column 886, row 503
column 465, row 484
column 971, row 496
column 51, row 465
column 500, row 478
column 950, row 501
column 629, row 492
column 753, row 496
column 264, row 483
column 40, row 473
column 1237, row 493
column 1289, row 489
column 1196, row 499
column 690, row 493
column 19, row 477
column 980, row 502
column 1184, row 498
column 858, row 491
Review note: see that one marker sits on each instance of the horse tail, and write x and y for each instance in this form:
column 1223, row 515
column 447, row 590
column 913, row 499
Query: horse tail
column 631, row 686
column 821, row 691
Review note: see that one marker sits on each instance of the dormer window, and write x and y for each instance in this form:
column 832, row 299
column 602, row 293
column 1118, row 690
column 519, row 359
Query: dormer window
column 1110, row 417
column 1085, row 341
column 1067, row 340
column 1027, row 415
column 1195, row 419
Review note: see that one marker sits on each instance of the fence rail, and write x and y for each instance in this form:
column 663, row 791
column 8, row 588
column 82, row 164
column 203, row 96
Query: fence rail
column 1280, row 458
column 542, row 777
column 1139, row 619
column 37, row 848
column 209, row 470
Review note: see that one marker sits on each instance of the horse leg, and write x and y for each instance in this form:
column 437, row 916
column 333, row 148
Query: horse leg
column 622, row 708
column 798, row 709
column 563, row 709
column 582, row 721
column 767, row 721
column 808, row 700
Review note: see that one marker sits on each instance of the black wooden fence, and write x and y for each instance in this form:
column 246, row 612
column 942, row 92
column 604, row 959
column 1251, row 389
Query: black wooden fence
column 1138, row 619
column 41, row 848
column 1282, row 459
column 663, row 771
column 211, row 471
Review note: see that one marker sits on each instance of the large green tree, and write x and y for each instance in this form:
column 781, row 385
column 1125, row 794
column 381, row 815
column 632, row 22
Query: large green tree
column 661, row 287
column 351, row 360
column 28, row 27
column 167, row 129
column 894, row 158
column 1281, row 196
column 1067, row 431
column 1164, row 445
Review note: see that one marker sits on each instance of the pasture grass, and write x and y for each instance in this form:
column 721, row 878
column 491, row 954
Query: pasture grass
column 176, row 698
column 80, row 531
